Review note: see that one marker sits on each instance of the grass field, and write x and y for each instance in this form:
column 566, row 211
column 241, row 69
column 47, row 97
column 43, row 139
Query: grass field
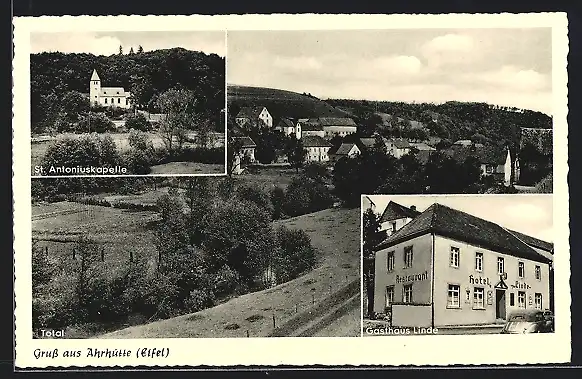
column 334, row 232
column 187, row 168
column 267, row 178
column 38, row 150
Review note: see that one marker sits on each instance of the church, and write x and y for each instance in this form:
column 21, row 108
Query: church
column 107, row 96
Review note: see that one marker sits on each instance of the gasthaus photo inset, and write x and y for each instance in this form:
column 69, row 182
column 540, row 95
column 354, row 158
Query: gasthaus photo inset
column 447, row 268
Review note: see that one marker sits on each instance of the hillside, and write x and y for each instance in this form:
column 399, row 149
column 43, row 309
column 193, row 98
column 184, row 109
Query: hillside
column 334, row 232
column 145, row 75
column 280, row 103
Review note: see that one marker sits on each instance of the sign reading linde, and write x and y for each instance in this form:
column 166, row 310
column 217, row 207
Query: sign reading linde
column 411, row 278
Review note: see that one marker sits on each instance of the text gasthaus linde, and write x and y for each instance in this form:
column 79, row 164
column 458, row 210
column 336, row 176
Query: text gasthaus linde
column 142, row 352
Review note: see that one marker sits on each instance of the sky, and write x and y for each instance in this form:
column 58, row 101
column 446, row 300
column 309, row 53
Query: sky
column 528, row 214
column 107, row 43
column 510, row 67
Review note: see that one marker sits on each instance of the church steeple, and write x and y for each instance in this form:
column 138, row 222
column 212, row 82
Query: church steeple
column 95, row 76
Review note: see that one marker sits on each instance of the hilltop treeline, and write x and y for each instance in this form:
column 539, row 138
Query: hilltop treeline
column 453, row 120
column 144, row 74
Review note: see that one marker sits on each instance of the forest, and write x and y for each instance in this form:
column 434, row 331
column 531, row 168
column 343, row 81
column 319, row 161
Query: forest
column 146, row 75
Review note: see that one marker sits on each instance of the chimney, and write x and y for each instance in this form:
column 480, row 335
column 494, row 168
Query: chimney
column 413, row 207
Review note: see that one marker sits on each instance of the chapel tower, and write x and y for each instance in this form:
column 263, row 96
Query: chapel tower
column 95, row 88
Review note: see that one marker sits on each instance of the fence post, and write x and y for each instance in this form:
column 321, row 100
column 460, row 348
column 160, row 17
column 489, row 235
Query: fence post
column 295, row 308
column 74, row 251
column 131, row 255
column 247, row 333
column 46, row 250
column 274, row 326
column 102, row 254
column 312, row 299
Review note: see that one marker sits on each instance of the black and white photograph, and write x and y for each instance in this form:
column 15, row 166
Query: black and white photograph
column 127, row 103
column 292, row 186
column 457, row 265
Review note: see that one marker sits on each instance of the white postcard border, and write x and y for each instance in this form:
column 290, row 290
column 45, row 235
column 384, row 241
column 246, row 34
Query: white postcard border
column 417, row 350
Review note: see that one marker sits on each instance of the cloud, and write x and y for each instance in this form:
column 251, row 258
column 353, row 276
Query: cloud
column 530, row 212
column 74, row 43
column 450, row 42
column 511, row 77
column 297, row 63
column 395, row 65
column 450, row 50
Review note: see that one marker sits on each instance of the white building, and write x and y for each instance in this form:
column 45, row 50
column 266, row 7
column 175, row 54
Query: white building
column 395, row 216
column 107, row 96
column 317, row 149
column 251, row 115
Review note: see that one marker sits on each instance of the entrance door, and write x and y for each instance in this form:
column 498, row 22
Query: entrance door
column 500, row 304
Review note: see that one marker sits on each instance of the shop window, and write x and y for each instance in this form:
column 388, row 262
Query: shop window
column 520, row 269
column 407, row 294
column 538, row 300
column 479, row 261
column 454, row 296
column 512, row 299
column 478, row 298
column 500, row 265
column 538, row 273
column 454, row 257
column 521, row 299
column 408, row 256
column 390, row 261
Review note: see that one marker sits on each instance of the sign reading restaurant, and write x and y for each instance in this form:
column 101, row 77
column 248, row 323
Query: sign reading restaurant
column 451, row 260
column 411, row 278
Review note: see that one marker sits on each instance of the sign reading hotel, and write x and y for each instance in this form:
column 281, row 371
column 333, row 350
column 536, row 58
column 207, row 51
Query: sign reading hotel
column 412, row 277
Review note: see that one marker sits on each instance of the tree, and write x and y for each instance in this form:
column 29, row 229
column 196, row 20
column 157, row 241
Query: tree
column 234, row 155
column 372, row 236
column 257, row 196
column 278, row 200
column 137, row 122
column 120, row 50
column 171, row 233
column 131, row 51
column 296, row 254
column 95, row 123
column 199, row 199
column 139, row 49
column 177, row 105
column 296, row 153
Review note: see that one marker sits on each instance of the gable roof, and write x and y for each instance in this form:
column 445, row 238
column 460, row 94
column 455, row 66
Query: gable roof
column 394, row 211
column 113, row 91
column 336, row 121
column 368, row 142
column 532, row 241
column 235, row 131
column 315, row 141
column 94, row 76
column 250, row 112
column 246, row 141
column 485, row 154
column 451, row 223
column 399, row 143
column 311, row 124
column 345, row 149
column 285, row 122
column 422, row 146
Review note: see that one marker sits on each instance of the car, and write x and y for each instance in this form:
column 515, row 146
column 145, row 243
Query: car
column 529, row 321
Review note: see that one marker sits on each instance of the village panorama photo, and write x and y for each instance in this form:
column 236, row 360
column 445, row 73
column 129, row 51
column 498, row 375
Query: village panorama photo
column 127, row 103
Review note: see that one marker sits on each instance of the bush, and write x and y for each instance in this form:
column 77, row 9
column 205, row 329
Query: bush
column 87, row 150
column 257, row 196
column 296, row 254
column 200, row 155
column 95, row 123
column 138, row 122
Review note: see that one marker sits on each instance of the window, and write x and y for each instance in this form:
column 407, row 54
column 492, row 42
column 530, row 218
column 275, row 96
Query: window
column 538, row 300
column 112, row 101
column 521, row 299
column 393, row 227
column 126, row 101
column 389, row 295
column 119, row 100
column 512, row 299
column 453, row 296
column 454, row 259
column 520, row 269
column 105, row 92
column 538, row 273
column 489, row 169
column 479, row 261
column 408, row 256
column 390, row 261
column 478, row 298
column 95, row 96
column 407, row 294
column 105, row 100
column 500, row 265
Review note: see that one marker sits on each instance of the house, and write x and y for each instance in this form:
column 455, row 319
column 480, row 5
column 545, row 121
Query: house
column 493, row 161
column 447, row 267
column 368, row 203
column 397, row 147
column 337, row 126
column 288, row 127
column 311, row 127
column 395, row 216
column 421, row 146
column 251, row 115
column 347, row 150
column 317, row 148
column 107, row 96
column 367, row 143
column 246, row 154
